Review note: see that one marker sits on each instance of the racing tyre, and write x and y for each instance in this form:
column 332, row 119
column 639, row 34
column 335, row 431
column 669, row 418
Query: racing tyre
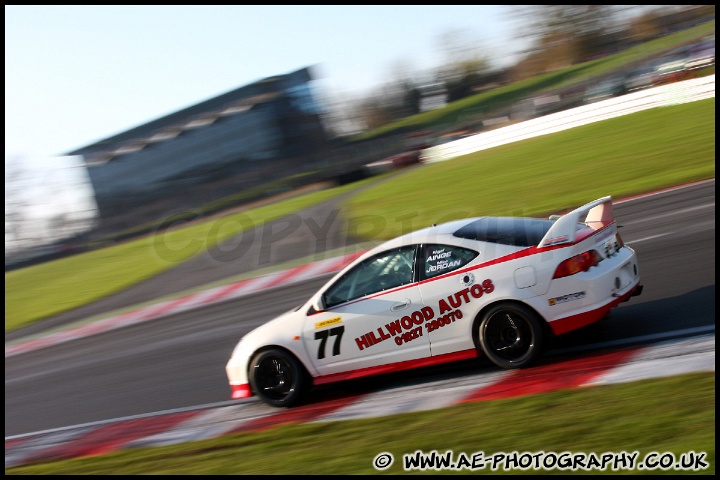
column 277, row 378
column 511, row 335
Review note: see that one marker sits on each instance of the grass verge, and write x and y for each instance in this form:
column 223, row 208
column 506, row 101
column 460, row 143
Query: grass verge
column 623, row 156
column 51, row 288
column 633, row 154
column 667, row 415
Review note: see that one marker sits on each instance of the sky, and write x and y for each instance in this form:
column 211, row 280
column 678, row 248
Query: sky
column 77, row 74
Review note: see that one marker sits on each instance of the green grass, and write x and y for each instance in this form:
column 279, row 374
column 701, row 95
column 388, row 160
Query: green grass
column 674, row 414
column 619, row 157
column 51, row 288
column 632, row 154
column 623, row 156
column 455, row 113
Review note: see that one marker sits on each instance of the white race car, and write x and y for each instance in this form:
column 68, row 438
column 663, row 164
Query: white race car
column 493, row 286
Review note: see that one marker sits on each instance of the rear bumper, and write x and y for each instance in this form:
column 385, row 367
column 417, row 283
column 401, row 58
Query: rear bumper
column 573, row 322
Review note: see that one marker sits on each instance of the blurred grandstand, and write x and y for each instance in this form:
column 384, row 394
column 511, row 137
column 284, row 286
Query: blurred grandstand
column 269, row 137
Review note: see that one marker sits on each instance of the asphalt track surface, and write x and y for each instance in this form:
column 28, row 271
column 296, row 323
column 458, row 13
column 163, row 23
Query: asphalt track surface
column 175, row 364
column 306, row 234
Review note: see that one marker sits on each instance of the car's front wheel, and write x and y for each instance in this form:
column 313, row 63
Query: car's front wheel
column 277, row 378
column 511, row 335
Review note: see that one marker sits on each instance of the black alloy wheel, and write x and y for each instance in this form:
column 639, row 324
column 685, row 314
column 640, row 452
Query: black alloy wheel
column 511, row 335
column 277, row 378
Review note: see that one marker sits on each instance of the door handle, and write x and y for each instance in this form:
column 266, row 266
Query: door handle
column 401, row 305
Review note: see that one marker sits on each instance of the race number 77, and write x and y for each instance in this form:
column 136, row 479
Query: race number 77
column 323, row 335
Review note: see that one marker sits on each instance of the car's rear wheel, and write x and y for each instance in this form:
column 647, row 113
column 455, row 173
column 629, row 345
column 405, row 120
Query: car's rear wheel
column 511, row 335
column 277, row 378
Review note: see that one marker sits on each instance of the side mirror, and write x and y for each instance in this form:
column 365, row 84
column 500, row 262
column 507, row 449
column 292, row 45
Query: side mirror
column 317, row 304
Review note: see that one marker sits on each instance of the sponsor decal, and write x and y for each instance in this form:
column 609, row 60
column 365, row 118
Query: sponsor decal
column 410, row 327
column 560, row 239
column 444, row 320
column 605, row 233
column 566, row 298
column 327, row 323
column 403, row 329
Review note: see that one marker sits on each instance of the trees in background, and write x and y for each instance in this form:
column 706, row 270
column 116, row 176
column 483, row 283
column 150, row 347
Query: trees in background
column 560, row 36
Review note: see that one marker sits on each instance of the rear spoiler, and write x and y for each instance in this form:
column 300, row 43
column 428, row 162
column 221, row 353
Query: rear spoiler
column 597, row 213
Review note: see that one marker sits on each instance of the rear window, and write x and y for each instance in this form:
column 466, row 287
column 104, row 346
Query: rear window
column 439, row 259
column 515, row 231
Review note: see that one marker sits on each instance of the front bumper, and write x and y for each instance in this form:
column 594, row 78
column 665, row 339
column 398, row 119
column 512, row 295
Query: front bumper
column 240, row 391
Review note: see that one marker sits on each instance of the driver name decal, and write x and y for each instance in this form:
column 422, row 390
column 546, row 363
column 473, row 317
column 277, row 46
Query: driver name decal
column 439, row 261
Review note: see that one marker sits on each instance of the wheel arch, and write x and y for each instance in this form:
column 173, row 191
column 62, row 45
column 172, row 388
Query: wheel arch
column 475, row 325
column 266, row 348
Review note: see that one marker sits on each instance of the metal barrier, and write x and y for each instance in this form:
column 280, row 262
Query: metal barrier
column 670, row 94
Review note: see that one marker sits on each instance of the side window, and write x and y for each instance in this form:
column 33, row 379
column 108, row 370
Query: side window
column 439, row 259
column 381, row 272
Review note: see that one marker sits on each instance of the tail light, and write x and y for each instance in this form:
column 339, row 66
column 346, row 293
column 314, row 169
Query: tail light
column 577, row 264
